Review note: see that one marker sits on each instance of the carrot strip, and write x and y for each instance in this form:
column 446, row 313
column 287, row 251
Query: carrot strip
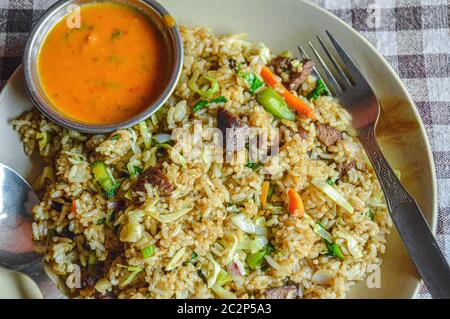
column 264, row 193
column 268, row 76
column 292, row 100
column 73, row 207
column 295, row 206
column 298, row 104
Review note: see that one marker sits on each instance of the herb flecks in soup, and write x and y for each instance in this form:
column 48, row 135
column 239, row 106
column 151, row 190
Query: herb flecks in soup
column 106, row 71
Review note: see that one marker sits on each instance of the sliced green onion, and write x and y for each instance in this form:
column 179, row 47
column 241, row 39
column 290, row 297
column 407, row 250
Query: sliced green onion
column 101, row 221
column 334, row 250
column 148, row 251
column 43, row 139
column 146, row 135
column 275, row 104
column 176, row 260
column 105, row 178
column 255, row 260
column 332, row 193
column 195, row 81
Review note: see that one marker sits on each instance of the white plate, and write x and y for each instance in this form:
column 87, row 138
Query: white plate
column 283, row 25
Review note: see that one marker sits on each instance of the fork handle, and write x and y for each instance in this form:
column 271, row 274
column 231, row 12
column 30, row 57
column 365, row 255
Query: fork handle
column 410, row 223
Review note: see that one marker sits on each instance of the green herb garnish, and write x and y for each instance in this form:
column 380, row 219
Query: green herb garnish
column 137, row 170
column 192, row 259
column 254, row 82
column 101, row 221
column 202, row 103
column 370, row 213
column 270, row 192
column 319, row 90
column 115, row 137
column 254, row 166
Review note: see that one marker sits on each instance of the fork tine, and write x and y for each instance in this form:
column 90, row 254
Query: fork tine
column 351, row 66
column 331, row 79
column 304, row 55
column 341, row 73
column 302, row 51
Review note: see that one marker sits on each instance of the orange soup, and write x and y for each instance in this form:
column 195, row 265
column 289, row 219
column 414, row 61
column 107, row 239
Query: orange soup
column 108, row 69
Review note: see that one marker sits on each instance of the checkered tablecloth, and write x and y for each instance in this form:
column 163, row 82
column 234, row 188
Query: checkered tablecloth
column 413, row 36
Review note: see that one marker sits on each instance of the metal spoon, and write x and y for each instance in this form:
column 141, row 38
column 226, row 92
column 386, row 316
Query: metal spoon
column 17, row 248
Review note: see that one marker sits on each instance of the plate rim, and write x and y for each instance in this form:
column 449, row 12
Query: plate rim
column 392, row 73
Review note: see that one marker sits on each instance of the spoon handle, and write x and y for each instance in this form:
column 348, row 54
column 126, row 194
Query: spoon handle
column 36, row 271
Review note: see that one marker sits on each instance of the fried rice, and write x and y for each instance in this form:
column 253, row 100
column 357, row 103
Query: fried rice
column 214, row 235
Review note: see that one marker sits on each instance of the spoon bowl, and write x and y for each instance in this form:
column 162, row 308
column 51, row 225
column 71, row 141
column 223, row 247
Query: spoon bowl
column 18, row 252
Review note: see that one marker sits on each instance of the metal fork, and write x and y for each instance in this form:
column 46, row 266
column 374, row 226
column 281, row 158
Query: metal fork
column 356, row 95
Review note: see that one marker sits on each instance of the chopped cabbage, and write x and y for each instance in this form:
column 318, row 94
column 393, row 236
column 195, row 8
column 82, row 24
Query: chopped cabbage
column 247, row 226
column 331, row 192
column 176, row 260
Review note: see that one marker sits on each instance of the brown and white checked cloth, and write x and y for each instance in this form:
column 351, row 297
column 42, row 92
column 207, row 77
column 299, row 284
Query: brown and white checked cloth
column 413, row 36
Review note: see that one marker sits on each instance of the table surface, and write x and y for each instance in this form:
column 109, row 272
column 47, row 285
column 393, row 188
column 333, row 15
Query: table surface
column 413, row 36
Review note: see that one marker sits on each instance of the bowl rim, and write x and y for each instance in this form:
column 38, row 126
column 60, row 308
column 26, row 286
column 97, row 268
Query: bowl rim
column 176, row 45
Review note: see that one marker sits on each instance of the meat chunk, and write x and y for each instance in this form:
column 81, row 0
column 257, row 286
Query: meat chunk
column 328, row 135
column 281, row 65
column 118, row 205
column 303, row 133
column 155, row 177
column 284, row 65
column 298, row 78
column 344, row 167
column 108, row 295
column 57, row 206
column 283, row 292
column 88, row 279
column 226, row 121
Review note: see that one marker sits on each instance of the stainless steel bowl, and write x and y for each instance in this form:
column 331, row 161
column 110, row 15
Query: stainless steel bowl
column 156, row 12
